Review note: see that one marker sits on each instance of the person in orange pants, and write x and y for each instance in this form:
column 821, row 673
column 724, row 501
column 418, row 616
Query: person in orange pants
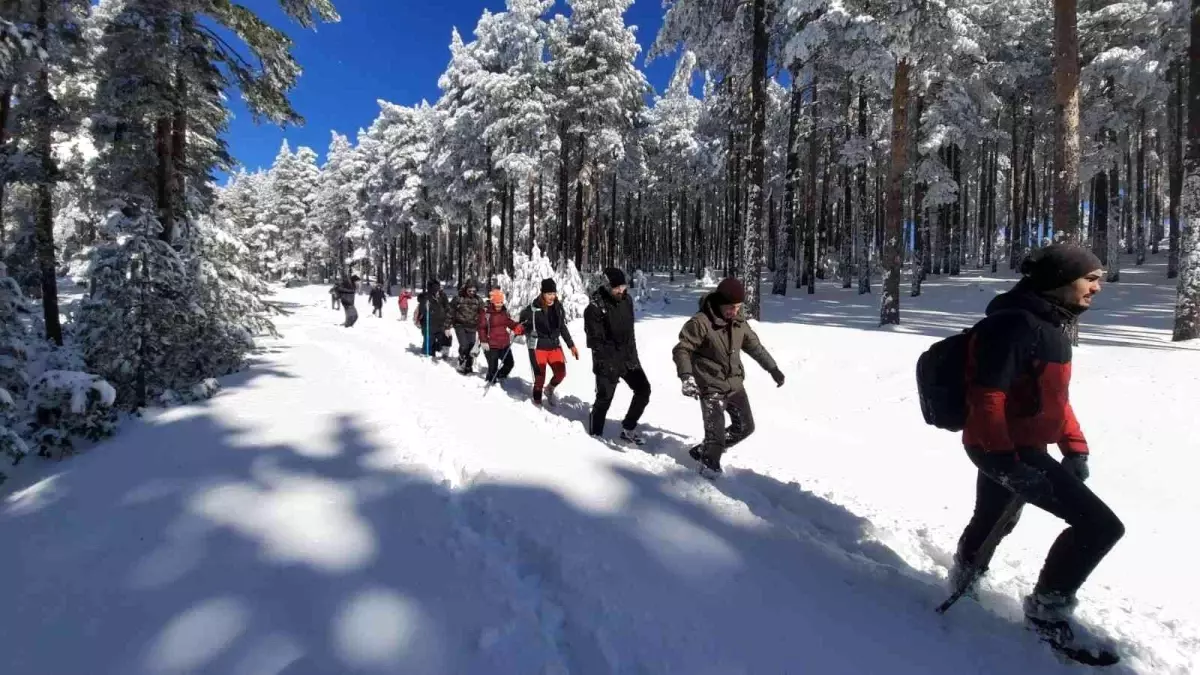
column 545, row 326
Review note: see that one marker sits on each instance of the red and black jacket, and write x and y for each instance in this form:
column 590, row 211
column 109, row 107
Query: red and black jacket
column 494, row 325
column 1018, row 377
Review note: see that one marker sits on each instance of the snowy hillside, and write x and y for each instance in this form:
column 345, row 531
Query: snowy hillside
column 346, row 506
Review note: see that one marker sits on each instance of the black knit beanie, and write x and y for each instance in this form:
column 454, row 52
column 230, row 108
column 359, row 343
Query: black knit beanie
column 548, row 286
column 1057, row 265
column 615, row 277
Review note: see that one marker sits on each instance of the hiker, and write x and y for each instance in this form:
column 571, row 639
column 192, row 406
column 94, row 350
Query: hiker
column 608, row 324
column 1018, row 371
column 494, row 326
column 708, row 360
column 345, row 293
column 405, row 296
column 433, row 318
column 377, row 297
column 465, row 310
column 545, row 327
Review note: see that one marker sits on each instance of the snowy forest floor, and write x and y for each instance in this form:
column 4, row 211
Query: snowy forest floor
column 347, row 506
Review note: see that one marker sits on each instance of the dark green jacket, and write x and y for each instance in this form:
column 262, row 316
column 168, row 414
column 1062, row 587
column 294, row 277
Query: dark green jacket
column 710, row 349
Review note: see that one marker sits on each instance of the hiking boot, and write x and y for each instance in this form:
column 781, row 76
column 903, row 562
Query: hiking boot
column 1049, row 607
column 963, row 575
column 631, row 436
column 548, row 396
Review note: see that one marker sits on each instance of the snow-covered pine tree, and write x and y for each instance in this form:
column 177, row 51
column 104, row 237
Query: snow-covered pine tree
column 1187, row 308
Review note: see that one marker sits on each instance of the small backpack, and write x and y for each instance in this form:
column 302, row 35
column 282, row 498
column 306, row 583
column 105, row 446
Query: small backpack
column 942, row 382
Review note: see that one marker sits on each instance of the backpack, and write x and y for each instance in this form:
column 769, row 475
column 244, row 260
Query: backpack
column 942, row 382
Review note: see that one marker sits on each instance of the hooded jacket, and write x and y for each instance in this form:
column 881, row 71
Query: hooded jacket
column 465, row 309
column 608, row 324
column 545, row 327
column 437, row 307
column 1019, row 376
column 710, row 349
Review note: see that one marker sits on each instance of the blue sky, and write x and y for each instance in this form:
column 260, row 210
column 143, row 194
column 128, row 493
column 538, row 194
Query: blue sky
column 382, row 49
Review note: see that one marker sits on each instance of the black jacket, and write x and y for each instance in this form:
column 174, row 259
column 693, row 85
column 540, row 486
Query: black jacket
column 1018, row 377
column 438, row 310
column 377, row 296
column 608, row 324
column 545, row 326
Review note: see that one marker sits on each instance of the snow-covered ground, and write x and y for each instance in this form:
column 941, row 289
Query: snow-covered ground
column 346, row 506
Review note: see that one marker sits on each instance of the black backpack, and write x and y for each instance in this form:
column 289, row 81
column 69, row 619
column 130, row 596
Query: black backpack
column 942, row 382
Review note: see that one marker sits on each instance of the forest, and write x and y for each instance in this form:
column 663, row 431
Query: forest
column 800, row 145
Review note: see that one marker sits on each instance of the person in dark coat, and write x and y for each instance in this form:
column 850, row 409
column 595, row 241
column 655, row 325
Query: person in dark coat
column 494, row 327
column 345, row 292
column 708, row 359
column 378, row 295
column 545, row 327
column 608, row 324
column 465, row 309
column 433, row 317
column 1018, row 377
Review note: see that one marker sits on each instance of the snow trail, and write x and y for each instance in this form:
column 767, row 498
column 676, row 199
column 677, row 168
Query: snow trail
column 348, row 506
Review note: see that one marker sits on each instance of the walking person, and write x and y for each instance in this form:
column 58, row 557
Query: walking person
column 608, row 324
column 378, row 295
column 545, row 327
column 347, row 290
column 465, row 310
column 433, row 318
column 494, row 327
column 405, row 296
column 708, row 359
column 1018, row 372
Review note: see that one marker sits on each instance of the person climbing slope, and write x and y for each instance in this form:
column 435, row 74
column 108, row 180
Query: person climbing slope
column 465, row 310
column 545, row 326
column 494, row 327
column 608, row 323
column 1018, row 372
column 708, row 360
column 433, row 318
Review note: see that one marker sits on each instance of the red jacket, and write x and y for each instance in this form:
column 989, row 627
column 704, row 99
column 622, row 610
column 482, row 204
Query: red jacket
column 494, row 325
column 1018, row 378
column 404, row 296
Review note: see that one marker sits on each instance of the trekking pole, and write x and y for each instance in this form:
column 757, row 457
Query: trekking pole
column 985, row 552
column 496, row 374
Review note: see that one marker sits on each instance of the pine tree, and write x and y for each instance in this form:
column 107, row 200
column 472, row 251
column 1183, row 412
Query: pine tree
column 1187, row 308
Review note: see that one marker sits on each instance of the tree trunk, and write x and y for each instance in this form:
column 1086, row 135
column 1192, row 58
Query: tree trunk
column 1066, row 120
column 756, row 188
column 956, row 224
column 865, row 231
column 1017, row 181
column 44, row 192
column 564, row 190
column 889, row 313
column 1156, row 195
column 1140, row 225
column 1115, row 208
column 5, row 109
column 1187, row 308
column 786, row 264
column 810, row 204
column 1175, row 174
column 532, row 221
column 1100, row 209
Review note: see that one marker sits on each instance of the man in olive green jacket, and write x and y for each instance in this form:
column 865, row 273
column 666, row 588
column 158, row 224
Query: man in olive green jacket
column 708, row 359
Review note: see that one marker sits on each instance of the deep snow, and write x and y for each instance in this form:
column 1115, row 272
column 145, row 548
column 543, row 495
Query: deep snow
column 347, row 506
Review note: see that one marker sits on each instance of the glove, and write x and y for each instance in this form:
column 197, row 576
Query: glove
column 777, row 375
column 1007, row 469
column 1077, row 464
column 519, row 330
column 575, row 353
column 690, row 388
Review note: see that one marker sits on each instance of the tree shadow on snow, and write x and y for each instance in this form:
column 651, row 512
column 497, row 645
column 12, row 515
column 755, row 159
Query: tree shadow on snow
column 189, row 546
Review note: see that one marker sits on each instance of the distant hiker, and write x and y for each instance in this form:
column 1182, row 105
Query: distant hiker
column 405, row 296
column 494, row 325
column 708, row 360
column 377, row 297
column 433, row 317
column 545, row 325
column 608, row 324
column 346, row 292
column 335, row 295
column 465, row 310
column 1018, row 370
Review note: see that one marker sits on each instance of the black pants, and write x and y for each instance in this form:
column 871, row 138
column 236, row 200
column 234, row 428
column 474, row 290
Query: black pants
column 606, row 387
column 713, row 407
column 351, row 315
column 1093, row 529
column 494, row 362
column 378, row 310
column 432, row 344
column 466, row 342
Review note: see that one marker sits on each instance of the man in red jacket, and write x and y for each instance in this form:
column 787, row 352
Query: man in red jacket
column 1018, row 375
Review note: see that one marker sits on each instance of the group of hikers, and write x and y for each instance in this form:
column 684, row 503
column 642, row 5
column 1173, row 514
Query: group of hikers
column 343, row 295
column 1013, row 378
